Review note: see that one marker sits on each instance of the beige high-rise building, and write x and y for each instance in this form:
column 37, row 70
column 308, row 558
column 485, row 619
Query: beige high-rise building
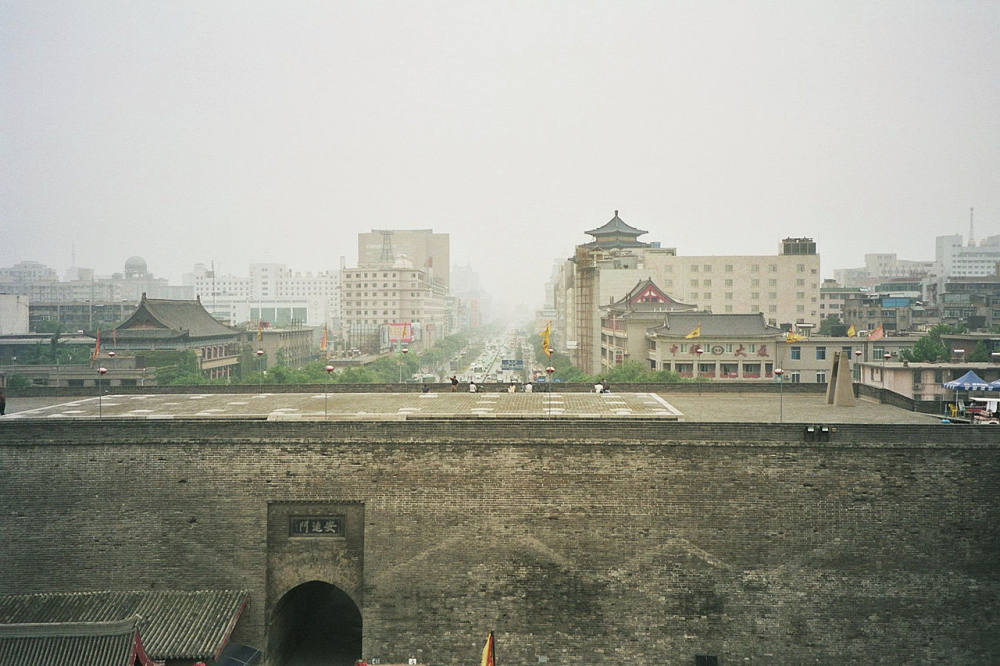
column 784, row 287
column 398, row 293
column 423, row 248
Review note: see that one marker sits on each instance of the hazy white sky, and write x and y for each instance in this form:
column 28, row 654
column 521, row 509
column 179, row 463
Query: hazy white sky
column 250, row 131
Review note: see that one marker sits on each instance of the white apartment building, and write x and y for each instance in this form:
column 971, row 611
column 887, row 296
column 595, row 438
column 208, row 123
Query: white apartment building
column 956, row 260
column 272, row 293
column 376, row 297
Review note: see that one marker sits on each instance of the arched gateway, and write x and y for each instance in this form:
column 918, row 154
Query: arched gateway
column 315, row 624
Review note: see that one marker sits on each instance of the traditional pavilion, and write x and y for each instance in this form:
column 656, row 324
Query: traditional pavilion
column 159, row 324
column 615, row 234
column 624, row 322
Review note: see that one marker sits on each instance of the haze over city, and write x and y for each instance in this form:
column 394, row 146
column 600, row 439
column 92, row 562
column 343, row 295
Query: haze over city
column 233, row 132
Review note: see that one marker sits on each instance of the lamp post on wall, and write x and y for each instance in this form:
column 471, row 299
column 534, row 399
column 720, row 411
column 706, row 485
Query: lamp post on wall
column 698, row 351
column 857, row 361
column 404, row 350
column 778, row 372
column 100, row 393
column 550, row 371
column 885, row 357
column 260, row 370
column 326, row 389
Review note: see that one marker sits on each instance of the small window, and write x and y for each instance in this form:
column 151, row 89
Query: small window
column 796, row 353
column 820, row 353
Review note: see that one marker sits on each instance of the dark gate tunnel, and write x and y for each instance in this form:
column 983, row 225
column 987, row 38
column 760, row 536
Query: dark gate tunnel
column 315, row 624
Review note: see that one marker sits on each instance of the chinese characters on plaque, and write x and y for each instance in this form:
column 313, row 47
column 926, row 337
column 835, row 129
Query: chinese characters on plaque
column 316, row 526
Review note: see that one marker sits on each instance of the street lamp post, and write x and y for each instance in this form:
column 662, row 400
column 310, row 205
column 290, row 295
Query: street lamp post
column 326, row 389
column 404, row 350
column 549, row 371
column 699, row 351
column 885, row 357
column 857, row 362
column 112, row 355
column 778, row 372
column 100, row 393
column 260, row 370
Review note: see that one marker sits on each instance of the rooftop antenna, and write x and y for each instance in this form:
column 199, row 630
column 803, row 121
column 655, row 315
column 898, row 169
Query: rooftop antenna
column 387, row 255
column 972, row 234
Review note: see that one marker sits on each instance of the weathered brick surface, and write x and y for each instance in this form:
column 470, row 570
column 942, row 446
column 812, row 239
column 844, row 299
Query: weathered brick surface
column 584, row 542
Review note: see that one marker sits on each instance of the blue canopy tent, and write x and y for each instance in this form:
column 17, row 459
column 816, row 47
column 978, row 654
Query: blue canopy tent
column 970, row 381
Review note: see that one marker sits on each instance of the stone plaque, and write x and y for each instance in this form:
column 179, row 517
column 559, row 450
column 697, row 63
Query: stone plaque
column 316, row 526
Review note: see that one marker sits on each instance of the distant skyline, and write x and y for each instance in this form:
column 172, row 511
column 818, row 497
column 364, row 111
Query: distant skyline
column 187, row 132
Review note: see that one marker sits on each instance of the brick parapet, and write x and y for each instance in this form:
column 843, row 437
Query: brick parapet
column 580, row 543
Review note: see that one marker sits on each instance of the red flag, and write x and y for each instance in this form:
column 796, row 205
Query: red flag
column 877, row 334
column 97, row 346
column 489, row 656
column 114, row 337
column 322, row 345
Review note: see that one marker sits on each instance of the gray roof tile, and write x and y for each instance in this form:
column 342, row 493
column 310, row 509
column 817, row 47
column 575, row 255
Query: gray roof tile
column 175, row 625
column 72, row 643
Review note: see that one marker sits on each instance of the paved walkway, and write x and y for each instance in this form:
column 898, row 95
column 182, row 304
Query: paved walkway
column 709, row 407
column 289, row 406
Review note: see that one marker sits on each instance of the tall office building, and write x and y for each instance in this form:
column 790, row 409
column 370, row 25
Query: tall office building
column 423, row 248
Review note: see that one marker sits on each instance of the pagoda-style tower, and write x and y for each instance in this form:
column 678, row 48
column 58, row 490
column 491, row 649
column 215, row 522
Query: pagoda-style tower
column 615, row 234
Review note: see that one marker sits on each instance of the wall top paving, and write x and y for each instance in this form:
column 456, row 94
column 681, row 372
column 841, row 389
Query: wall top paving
column 678, row 387
column 535, row 432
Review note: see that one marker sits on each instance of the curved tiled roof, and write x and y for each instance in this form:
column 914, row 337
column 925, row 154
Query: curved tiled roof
column 155, row 315
column 616, row 226
column 72, row 643
column 680, row 324
column 175, row 625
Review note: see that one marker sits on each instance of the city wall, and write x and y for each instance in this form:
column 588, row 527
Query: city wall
column 580, row 541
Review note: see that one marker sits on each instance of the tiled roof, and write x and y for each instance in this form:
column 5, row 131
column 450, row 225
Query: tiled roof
column 624, row 304
column 180, row 317
column 616, row 226
column 72, row 644
column 176, row 625
column 680, row 324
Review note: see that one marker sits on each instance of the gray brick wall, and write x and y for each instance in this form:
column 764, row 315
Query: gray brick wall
column 583, row 542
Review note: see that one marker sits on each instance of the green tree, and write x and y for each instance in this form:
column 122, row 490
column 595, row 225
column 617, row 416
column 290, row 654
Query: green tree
column 832, row 325
column 930, row 348
column 18, row 382
column 176, row 368
column 979, row 354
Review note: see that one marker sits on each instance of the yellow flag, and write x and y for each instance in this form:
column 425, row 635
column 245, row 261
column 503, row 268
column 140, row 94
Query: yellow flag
column 545, row 336
column 851, row 332
column 791, row 337
column 695, row 333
